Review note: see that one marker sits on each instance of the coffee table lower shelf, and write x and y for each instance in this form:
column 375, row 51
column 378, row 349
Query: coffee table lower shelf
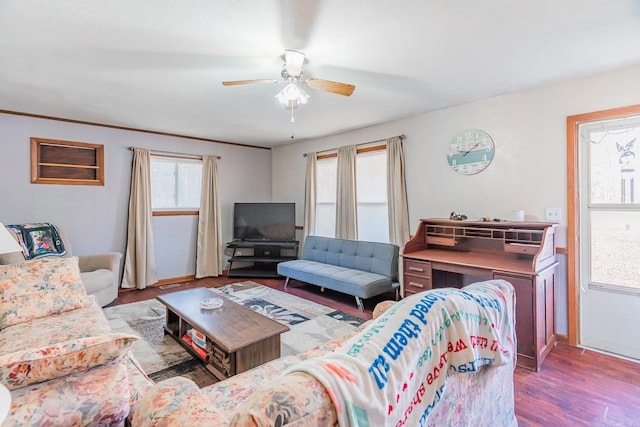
column 220, row 363
column 223, row 364
column 223, row 361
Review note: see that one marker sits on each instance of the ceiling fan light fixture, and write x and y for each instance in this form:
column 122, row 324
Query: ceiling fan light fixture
column 291, row 96
column 294, row 61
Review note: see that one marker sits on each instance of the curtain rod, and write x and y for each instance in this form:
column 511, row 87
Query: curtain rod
column 363, row 143
column 195, row 156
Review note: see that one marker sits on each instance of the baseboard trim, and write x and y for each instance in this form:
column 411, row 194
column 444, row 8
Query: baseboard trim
column 173, row 285
column 182, row 279
column 174, row 280
column 163, row 282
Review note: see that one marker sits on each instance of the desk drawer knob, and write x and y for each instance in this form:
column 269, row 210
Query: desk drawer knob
column 421, row 270
column 416, row 285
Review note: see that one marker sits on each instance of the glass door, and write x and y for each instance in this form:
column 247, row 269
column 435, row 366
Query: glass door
column 610, row 235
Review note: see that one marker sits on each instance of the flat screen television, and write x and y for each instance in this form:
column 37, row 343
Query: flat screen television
column 264, row 221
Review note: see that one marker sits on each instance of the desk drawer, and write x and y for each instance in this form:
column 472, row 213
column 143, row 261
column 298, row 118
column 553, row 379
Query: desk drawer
column 522, row 249
column 417, row 268
column 416, row 283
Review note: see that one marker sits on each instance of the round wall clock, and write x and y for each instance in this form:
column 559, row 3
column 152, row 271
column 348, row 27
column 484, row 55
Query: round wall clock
column 470, row 151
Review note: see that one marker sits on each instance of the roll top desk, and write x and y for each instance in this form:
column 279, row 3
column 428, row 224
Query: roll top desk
column 449, row 253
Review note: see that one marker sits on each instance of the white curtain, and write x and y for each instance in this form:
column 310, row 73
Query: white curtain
column 310, row 196
column 346, row 201
column 208, row 252
column 139, row 259
column 397, row 193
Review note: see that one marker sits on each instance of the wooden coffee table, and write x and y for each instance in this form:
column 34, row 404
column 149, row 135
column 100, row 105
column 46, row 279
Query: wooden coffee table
column 237, row 338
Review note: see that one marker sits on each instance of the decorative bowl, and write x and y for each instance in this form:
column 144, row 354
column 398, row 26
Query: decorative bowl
column 210, row 303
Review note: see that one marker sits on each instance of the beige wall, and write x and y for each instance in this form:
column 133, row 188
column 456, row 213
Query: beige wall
column 528, row 171
column 529, row 168
column 94, row 217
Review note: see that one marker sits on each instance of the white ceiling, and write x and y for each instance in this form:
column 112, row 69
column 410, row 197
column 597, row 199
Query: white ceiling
column 158, row 64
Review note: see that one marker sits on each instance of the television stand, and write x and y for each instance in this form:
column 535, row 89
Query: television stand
column 262, row 256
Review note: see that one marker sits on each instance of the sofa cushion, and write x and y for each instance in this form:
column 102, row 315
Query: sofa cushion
column 374, row 257
column 97, row 397
column 226, row 395
column 177, row 402
column 139, row 382
column 40, row 288
column 293, row 399
column 70, row 325
column 97, row 280
column 34, row 365
column 351, row 281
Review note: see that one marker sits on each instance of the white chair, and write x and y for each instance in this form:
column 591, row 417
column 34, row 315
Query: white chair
column 99, row 273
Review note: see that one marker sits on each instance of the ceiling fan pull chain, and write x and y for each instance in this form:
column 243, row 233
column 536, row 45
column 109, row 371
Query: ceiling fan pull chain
column 292, row 122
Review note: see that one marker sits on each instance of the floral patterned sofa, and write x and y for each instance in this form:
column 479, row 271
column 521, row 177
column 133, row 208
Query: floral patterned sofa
column 59, row 357
column 277, row 393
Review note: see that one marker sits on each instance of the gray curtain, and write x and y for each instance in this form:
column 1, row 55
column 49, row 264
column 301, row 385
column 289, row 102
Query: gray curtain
column 139, row 258
column 346, row 200
column 208, row 252
column 310, row 196
column 397, row 193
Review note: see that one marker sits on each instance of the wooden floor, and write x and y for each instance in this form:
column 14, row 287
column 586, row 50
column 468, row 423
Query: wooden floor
column 575, row 387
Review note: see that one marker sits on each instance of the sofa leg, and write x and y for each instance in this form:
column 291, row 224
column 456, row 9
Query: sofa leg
column 397, row 294
column 360, row 305
column 286, row 282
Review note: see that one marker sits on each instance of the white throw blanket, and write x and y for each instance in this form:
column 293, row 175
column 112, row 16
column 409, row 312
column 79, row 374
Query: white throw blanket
column 395, row 371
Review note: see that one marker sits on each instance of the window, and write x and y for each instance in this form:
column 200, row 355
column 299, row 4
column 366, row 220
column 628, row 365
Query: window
column 371, row 187
column 326, row 197
column 175, row 183
column 371, row 184
column 612, row 210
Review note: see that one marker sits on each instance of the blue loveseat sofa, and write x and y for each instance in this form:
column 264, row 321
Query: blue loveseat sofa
column 358, row 268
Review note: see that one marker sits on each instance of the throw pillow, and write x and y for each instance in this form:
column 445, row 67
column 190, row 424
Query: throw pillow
column 31, row 366
column 39, row 288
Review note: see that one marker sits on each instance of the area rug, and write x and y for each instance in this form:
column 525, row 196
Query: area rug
column 162, row 357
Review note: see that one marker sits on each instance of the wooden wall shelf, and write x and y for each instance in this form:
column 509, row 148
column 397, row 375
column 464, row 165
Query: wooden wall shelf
column 66, row 162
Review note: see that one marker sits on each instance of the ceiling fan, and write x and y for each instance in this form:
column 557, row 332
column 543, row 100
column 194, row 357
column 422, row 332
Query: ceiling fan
column 293, row 95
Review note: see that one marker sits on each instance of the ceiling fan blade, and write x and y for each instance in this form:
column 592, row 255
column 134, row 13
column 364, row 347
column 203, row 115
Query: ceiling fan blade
column 247, row 82
column 343, row 89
